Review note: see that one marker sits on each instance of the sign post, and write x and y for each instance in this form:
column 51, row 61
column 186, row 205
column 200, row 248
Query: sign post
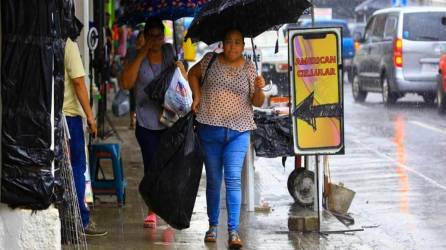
column 316, row 84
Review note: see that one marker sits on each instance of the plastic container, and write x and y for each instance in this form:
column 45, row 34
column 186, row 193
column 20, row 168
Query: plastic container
column 340, row 198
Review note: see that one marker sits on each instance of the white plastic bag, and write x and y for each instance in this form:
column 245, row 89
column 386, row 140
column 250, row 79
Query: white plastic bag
column 178, row 97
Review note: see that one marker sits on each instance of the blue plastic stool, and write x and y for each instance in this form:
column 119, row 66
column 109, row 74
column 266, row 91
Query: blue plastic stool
column 114, row 186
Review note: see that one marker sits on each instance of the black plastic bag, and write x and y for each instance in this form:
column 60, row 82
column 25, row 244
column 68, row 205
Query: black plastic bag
column 171, row 184
column 273, row 136
column 121, row 103
column 33, row 41
column 156, row 89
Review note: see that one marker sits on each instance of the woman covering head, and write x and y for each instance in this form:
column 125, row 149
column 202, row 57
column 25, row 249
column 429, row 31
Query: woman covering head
column 149, row 62
column 223, row 105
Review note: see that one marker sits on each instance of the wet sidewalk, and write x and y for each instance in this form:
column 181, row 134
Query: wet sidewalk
column 258, row 230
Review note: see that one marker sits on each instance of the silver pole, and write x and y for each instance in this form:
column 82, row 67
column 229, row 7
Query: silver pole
column 1, row 101
column 174, row 37
column 254, row 54
column 312, row 13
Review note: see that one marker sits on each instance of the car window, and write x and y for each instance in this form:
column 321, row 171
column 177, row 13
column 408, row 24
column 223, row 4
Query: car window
column 368, row 30
column 378, row 28
column 424, row 26
column 390, row 27
column 358, row 29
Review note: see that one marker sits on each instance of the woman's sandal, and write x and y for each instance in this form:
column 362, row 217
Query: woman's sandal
column 234, row 240
column 211, row 234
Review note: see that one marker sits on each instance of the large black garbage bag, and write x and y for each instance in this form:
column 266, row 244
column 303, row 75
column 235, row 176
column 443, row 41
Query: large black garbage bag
column 33, row 42
column 171, row 185
column 273, row 136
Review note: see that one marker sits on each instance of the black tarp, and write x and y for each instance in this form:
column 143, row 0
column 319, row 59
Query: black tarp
column 33, row 41
column 273, row 136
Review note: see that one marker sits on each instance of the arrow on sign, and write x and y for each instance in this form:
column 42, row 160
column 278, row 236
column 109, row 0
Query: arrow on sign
column 308, row 112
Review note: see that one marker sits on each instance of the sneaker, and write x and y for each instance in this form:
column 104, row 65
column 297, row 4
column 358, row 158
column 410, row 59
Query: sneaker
column 150, row 221
column 211, row 234
column 234, row 240
column 92, row 231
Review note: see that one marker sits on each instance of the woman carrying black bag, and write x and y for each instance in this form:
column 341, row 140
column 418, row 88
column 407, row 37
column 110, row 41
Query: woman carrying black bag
column 150, row 61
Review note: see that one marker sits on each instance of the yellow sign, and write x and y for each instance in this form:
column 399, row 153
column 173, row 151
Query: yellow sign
column 316, row 85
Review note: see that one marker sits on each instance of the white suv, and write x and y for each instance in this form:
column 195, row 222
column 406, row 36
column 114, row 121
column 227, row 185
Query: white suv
column 399, row 53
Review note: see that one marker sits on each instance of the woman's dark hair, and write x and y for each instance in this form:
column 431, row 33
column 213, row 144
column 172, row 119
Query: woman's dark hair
column 229, row 30
column 153, row 23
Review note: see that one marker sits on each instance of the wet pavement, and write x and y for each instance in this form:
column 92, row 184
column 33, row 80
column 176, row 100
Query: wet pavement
column 395, row 159
column 394, row 162
column 259, row 230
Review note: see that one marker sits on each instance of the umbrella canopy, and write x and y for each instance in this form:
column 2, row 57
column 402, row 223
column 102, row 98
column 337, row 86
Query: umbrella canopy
column 252, row 17
column 137, row 11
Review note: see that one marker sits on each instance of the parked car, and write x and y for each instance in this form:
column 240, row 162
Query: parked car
column 441, row 85
column 357, row 30
column 399, row 54
column 348, row 47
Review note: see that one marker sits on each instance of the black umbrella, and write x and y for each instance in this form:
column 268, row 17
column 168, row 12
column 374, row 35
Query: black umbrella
column 252, row 17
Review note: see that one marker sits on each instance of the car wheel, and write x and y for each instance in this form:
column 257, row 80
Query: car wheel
column 389, row 97
column 441, row 99
column 429, row 98
column 358, row 94
column 350, row 76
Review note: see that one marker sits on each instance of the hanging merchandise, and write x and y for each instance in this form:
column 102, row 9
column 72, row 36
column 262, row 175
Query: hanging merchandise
column 190, row 50
column 171, row 184
column 33, row 41
column 121, row 103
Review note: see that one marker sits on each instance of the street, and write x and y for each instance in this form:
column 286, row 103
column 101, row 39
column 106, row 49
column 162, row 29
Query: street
column 393, row 162
column 120, row 74
column 395, row 159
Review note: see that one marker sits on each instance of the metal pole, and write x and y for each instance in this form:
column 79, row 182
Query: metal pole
column 316, row 191
column 312, row 13
column 90, row 76
column 317, row 202
column 254, row 54
column 1, row 105
column 319, row 191
column 248, row 180
column 174, row 37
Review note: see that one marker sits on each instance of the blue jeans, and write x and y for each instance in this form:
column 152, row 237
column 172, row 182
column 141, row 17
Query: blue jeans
column 78, row 163
column 224, row 151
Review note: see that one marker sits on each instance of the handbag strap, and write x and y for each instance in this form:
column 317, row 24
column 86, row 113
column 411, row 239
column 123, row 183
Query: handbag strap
column 169, row 55
column 214, row 56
